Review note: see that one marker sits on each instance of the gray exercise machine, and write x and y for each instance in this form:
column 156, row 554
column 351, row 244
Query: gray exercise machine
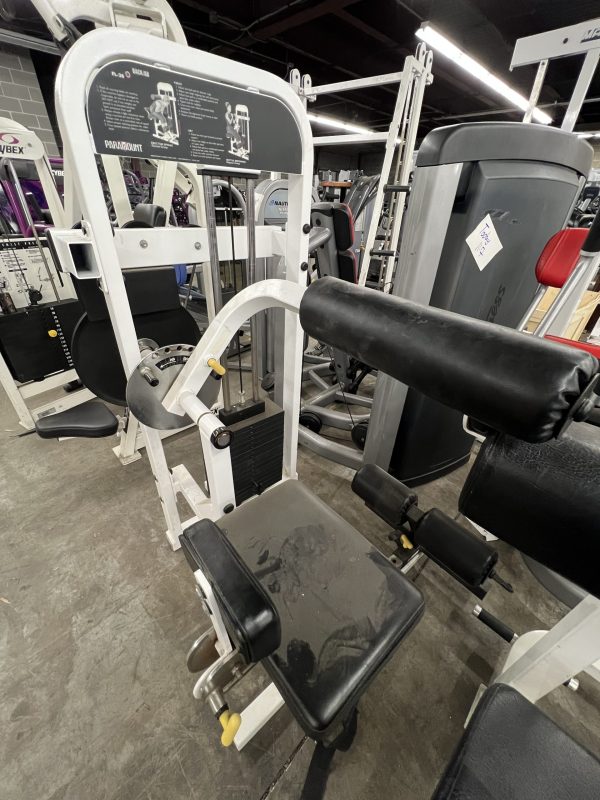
column 505, row 188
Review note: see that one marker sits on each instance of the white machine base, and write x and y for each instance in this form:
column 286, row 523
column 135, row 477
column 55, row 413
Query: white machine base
column 257, row 714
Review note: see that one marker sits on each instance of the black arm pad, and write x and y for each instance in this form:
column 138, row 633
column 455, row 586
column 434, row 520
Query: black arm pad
column 543, row 499
column 513, row 382
column 251, row 618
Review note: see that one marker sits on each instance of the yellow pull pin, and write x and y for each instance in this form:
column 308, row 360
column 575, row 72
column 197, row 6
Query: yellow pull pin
column 216, row 366
column 406, row 542
column 231, row 725
column 52, row 333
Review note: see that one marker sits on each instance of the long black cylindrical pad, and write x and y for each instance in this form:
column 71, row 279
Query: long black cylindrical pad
column 542, row 499
column 513, row 382
column 455, row 549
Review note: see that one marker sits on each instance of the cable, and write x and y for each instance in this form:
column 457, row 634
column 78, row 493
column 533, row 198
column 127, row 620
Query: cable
column 235, row 287
column 339, row 382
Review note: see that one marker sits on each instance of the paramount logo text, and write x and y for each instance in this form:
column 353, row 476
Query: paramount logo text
column 111, row 144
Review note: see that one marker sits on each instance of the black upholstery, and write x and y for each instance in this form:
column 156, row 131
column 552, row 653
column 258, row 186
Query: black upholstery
column 343, row 606
column 512, row 751
column 250, row 616
column 150, row 214
column 343, row 226
column 336, row 257
column 515, row 383
column 90, row 421
column 455, row 549
column 543, row 499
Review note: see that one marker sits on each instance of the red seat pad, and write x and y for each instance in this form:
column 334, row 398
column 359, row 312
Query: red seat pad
column 592, row 349
column 559, row 256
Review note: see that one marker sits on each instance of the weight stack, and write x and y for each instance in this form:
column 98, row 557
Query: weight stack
column 257, row 452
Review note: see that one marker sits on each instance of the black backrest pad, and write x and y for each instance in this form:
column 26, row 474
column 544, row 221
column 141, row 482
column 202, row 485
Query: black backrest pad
column 343, row 226
column 148, row 291
column 250, row 616
column 512, row 750
column 543, row 499
column 513, row 382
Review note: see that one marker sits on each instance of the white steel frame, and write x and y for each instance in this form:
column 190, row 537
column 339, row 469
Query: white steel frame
column 77, row 69
column 581, row 39
column 400, row 139
column 541, row 661
column 19, row 393
column 155, row 18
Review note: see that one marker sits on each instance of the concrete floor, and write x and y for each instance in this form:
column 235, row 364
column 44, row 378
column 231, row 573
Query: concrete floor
column 98, row 613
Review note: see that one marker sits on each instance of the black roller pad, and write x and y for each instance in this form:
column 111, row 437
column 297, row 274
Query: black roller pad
column 513, row 382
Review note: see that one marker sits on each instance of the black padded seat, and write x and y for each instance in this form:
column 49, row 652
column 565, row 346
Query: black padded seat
column 343, row 607
column 512, row 751
column 89, row 421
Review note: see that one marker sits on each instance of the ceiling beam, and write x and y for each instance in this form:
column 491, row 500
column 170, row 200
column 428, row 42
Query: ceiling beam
column 301, row 18
column 264, row 32
column 364, row 27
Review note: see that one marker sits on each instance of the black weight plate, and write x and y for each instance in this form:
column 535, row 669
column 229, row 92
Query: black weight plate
column 96, row 355
column 30, row 354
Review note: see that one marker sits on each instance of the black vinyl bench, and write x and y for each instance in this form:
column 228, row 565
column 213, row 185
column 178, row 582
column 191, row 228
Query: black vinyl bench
column 512, row 751
column 306, row 594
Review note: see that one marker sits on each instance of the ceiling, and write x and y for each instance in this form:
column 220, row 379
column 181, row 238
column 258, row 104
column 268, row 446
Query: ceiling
column 336, row 40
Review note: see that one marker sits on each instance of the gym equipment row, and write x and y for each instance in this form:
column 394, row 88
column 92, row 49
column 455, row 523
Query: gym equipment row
column 39, row 308
column 248, row 583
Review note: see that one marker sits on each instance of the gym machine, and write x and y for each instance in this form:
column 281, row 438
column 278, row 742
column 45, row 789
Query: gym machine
column 400, row 139
column 38, row 306
column 458, row 256
column 567, row 254
column 108, row 256
column 574, row 40
column 277, row 564
column 171, row 185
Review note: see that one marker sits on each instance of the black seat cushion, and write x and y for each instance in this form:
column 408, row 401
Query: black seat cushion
column 250, row 616
column 512, row 751
column 90, row 421
column 537, row 497
column 343, row 606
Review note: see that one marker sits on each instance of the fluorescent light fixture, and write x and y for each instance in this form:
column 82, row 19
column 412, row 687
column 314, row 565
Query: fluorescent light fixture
column 331, row 122
column 438, row 42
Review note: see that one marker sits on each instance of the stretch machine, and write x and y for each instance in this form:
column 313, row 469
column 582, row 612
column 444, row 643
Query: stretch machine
column 278, row 573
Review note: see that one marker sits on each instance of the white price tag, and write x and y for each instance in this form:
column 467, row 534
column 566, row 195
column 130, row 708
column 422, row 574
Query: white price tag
column 484, row 243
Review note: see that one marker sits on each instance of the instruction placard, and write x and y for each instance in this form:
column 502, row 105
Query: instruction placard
column 136, row 109
column 23, row 267
column 484, row 242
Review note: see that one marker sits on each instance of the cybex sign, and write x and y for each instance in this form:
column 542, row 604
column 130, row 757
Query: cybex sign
column 9, row 145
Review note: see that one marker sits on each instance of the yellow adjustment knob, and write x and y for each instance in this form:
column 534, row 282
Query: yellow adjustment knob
column 406, row 542
column 231, row 725
column 52, row 333
column 216, row 366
